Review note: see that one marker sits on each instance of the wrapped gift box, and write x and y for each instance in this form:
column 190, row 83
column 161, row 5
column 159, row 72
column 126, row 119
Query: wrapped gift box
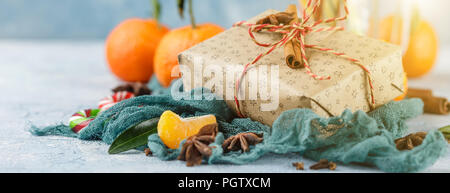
column 218, row 62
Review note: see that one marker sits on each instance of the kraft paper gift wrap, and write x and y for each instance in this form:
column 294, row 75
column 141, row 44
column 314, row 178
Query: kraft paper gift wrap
column 218, row 62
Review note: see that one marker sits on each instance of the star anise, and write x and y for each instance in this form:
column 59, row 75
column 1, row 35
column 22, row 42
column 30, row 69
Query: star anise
column 241, row 141
column 137, row 88
column 411, row 141
column 196, row 147
column 147, row 152
column 298, row 165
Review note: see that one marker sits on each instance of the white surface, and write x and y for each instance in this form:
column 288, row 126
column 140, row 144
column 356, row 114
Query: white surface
column 45, row 82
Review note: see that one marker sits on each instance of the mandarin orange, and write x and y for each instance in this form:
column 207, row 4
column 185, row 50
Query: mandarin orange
column 130, row 48
column 175, row 42
column 391, row 29
column 422, row 51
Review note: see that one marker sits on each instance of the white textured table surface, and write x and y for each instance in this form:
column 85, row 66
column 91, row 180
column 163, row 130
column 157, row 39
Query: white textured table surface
column 44, row 82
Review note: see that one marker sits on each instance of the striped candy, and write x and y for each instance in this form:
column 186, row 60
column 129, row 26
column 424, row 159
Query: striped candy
column 110, row 101
column 81, row 119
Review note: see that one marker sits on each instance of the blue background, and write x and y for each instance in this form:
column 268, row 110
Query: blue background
column 93, row 19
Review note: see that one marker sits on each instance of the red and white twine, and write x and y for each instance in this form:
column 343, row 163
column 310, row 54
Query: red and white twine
column 298, row 31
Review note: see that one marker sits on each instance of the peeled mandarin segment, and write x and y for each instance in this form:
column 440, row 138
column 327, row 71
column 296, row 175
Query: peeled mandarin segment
column 172, row 129
column 166, row 126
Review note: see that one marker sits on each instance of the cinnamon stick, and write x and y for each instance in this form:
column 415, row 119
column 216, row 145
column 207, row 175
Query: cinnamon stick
column 292, row 49
column 432, row 104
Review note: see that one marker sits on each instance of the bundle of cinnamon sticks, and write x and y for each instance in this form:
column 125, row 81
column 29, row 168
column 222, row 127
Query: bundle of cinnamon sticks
column 433, row 104
column 292, row 49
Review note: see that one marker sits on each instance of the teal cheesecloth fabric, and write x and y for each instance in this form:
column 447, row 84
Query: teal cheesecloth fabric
column 349, row 138
column 112, row 122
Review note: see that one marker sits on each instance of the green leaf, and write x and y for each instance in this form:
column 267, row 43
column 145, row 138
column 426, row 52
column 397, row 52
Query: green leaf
column 180, row 5
column 446, row 132
column 134, row 136
column 445, row 129
column 156, row 9
column 191, row 14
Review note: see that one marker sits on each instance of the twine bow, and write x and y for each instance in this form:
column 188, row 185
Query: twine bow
column 297, row 32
